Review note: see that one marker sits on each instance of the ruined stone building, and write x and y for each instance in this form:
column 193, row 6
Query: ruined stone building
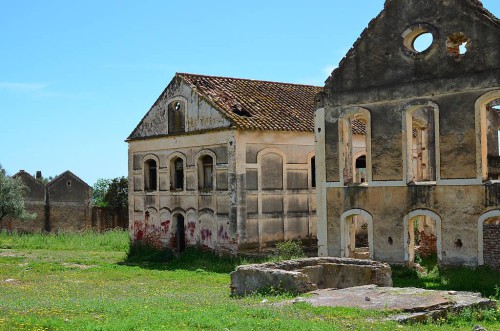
column 407, row 137
column 64, row 204
column 225, row 163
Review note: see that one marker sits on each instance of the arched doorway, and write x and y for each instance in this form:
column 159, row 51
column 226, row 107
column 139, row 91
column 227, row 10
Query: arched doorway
column 488, row 238
column 357, row 234
column 422, row 236
column 180, row 233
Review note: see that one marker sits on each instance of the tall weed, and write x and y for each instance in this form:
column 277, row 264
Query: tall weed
column 113, row 240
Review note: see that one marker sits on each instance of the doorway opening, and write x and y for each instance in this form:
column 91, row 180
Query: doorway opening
column 180, row 234
column 422, row 241
column 357, row 234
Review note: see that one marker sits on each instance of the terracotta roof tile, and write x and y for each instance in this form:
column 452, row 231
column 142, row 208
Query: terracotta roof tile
column 258, row 105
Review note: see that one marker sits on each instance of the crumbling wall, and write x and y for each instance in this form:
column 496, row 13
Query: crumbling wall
column 384, row 74
column 305, row 275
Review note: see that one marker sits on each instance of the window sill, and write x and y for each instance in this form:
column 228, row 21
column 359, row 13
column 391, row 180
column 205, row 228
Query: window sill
column 429, row 183
column 492, row 182
column 364, row 184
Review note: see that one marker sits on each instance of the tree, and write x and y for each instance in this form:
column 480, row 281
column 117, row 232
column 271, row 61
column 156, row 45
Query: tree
column 99, row 191
column 11, row 198
column 111, row 193
column 117, row 194
column 46, row 180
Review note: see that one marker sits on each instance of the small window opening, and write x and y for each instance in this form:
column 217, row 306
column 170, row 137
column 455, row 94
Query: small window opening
column 458, row 243
column 177, row 174
column 150, row 175
column 176, row 117
column 205, row 172
column 390, row 241
column 68, row 183
column 423, row 42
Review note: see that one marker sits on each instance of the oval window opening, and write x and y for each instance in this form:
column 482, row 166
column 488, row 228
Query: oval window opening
column 423, row 42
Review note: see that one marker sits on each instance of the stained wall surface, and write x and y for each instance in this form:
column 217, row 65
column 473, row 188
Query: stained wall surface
column 384, row 76
column 261, row 189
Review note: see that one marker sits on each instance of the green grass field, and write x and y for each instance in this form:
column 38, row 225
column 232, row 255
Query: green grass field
column 83, row 282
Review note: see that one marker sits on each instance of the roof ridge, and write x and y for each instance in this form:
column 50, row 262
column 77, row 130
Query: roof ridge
column 246, row 79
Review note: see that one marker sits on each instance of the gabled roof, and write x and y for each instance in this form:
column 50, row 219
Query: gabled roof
column 67, row 173
column 384, row 25
column 249, row 104
column 27, row 176
column 256, row 104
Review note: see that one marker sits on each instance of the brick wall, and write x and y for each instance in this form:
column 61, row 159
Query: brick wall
column 428, row 244
column 491, row 246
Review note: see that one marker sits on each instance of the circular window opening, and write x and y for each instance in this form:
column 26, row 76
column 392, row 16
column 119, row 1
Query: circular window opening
column 418, row 38
column 423, row 42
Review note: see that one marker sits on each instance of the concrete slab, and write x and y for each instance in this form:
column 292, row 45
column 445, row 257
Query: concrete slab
column 412, row 304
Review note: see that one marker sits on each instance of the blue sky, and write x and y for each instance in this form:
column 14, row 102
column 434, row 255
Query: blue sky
column 77, row 76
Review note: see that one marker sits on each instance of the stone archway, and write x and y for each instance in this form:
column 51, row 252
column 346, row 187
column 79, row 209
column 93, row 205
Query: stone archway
column 409, row 234
column 351, row 222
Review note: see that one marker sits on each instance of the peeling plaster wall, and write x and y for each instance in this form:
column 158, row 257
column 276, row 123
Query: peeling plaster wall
column 277, row 200
column 209, row 216
column 234, row 216
column 382, row 75
column 199, row 114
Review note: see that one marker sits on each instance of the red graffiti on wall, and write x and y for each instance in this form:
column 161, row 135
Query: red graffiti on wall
column 164, row 228
column 222, row 234
column 206, row 234
column 191, row 226
column 138, row 231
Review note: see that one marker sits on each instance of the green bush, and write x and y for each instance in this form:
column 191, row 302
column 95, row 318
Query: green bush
column 144, row 251
column 289, row 249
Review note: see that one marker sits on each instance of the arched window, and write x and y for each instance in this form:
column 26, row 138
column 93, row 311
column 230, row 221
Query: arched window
column 423, row 145
column 176, row 117
column 150, row 175
column 492, row 129
column 271, row 172
column 205, row 172
column 355, row 147
column 177, row 174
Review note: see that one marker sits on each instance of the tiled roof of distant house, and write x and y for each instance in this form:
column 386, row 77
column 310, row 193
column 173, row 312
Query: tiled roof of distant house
column 258, row 105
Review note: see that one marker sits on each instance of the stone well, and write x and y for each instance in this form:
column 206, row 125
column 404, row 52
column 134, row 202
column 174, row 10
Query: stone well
column 304, row 275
